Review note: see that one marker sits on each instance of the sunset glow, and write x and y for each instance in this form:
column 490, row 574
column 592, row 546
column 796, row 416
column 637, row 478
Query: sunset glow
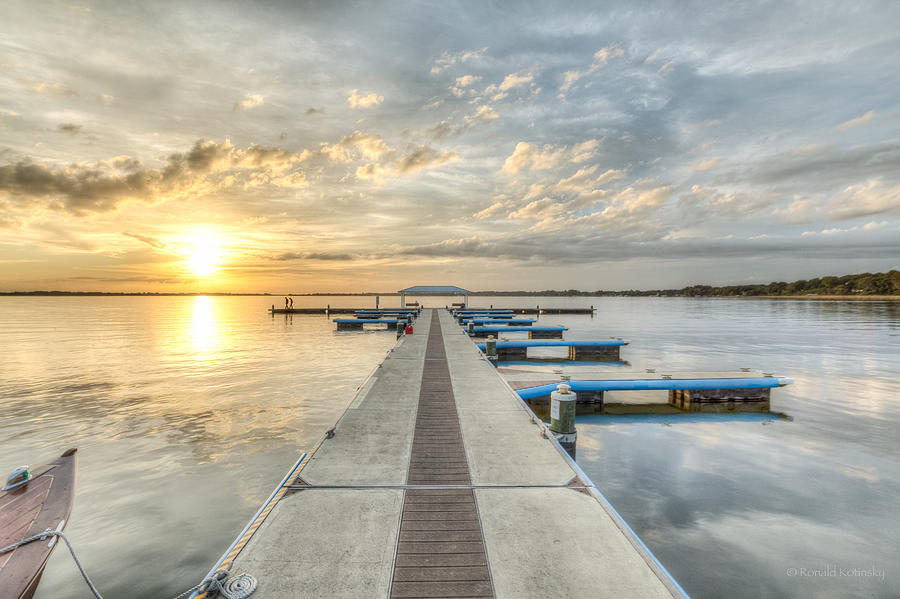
column 204, row 254
column 503, row 146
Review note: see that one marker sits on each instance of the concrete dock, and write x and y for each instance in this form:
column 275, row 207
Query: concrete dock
column 438, row 482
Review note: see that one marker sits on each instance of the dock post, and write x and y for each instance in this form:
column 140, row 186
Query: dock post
column 471, row 329
column 490, row 350
column 400, row 327
column 562, row 417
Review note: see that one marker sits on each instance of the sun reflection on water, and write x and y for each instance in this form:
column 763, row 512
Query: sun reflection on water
column 204, row 330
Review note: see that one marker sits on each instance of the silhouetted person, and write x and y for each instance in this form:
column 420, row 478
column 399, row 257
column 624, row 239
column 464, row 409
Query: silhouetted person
column 285, row 303
column 292, row 302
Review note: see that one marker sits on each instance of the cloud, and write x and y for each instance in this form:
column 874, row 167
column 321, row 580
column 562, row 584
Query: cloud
column 82, row 188
column 151, row 241
column 823, row 166
column 495, row 209
column 249, row 101
column 536, row 158
column 515, row 80
column 462, row 85
column 709, row 163
column 357, row 100
column 486, row 113
column 467, row 80
column 858, row 121
column 704, row 203
column 446, row 129
column 584, row 151
column 869, row 227
column 290, row 256
column 510, row 82
column 569, row 79
column 69, row 128
column 872, row 197
column 448, row 59
column 424, row 157
column 367, row 145
column 470, row 246
column 374, row 172
column 604, row 55
column 54, row 89
column 667, row 68
column 526, row 155
column 865, row 199
column 601, row 57
column 420, row 158
column 632, row 213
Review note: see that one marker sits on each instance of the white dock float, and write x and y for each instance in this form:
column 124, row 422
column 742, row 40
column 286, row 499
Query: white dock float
column 361, row 518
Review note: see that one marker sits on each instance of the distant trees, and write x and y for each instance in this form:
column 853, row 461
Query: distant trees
column 884, row 283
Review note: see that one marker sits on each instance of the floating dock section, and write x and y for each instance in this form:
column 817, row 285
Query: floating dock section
column 604, row 350
column 350, row 324
column 730, row 391
column 438, row 481
column 546, row 332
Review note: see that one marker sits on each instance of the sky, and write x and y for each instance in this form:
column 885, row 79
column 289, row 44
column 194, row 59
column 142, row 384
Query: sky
column 370, row 146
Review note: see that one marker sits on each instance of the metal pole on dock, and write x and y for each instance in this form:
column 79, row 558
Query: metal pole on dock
column 400, row 326
column 471, row 329
column 562, row 417
column 490, row 350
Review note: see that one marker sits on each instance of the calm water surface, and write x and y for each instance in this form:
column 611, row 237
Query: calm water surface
column 186, row 411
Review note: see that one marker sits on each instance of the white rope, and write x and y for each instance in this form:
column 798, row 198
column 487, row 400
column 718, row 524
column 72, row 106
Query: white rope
column 239, row 587
column 55, row 533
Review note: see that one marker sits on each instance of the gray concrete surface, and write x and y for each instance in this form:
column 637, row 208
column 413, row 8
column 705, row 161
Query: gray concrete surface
column 326, row 543
column 548, row 540
column 373, row 439
column 559, row 543
column 503, row 445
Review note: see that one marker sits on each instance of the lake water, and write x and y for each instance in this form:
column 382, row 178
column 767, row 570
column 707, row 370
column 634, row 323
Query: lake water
column 187, row 411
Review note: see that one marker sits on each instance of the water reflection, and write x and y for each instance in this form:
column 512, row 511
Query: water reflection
column 203, row 329
column 186, row 410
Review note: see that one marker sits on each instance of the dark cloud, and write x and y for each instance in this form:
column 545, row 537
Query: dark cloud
column 69, row 128
column 424, row 157
column 151, row 241
column 289, row 256
column 590, row 248
column 83, row 188
column 823, row 166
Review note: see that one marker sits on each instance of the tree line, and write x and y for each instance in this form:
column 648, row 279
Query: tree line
column 881, row 283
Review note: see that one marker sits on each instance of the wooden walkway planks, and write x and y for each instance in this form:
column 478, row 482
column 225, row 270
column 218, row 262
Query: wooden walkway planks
column 440, row 552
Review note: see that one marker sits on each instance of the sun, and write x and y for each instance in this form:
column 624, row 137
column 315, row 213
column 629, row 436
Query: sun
column 204, row 254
